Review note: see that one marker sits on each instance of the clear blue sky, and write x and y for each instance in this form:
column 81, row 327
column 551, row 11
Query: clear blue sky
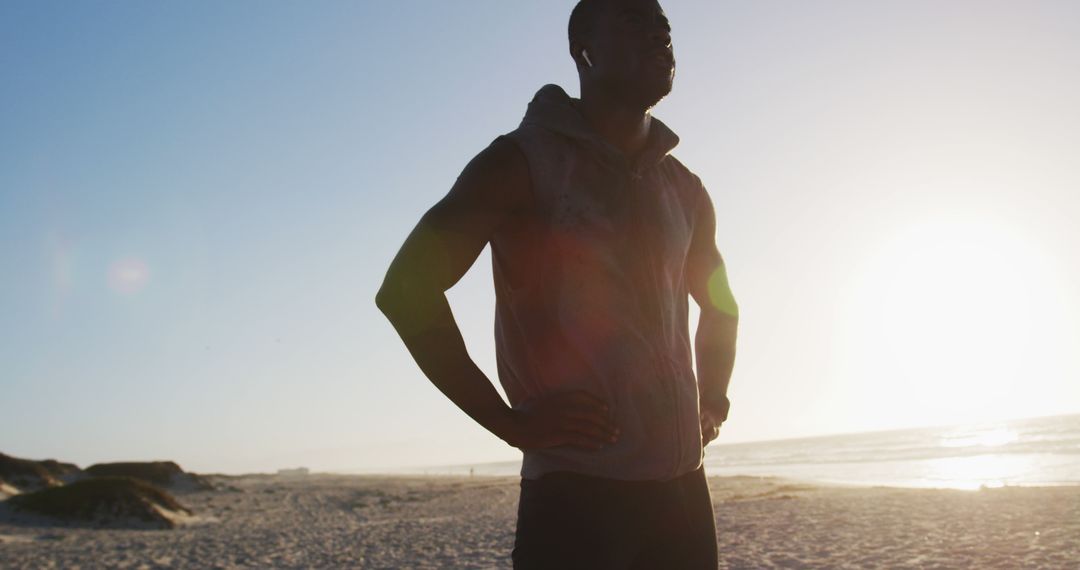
column 198, row 202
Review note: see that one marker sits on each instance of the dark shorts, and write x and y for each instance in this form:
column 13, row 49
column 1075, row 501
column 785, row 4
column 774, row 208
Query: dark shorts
column 569, row 520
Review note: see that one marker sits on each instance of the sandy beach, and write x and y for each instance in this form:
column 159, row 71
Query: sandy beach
column 339, row 521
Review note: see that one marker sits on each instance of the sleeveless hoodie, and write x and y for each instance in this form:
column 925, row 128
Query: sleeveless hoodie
column 591, row 294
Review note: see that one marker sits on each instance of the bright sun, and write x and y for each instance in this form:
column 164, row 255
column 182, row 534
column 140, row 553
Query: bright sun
column 950, row 317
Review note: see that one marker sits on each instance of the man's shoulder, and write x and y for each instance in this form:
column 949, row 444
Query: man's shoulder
column 528, row 135
column 504, row 154
column 538, row 149
column 689, row 184
column 682, row 171
column 501, row 172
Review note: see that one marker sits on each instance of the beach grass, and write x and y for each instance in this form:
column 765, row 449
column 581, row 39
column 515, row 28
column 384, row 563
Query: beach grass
column 103, row 500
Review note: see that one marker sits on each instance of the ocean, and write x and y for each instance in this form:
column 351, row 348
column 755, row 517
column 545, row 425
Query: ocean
column 1041, row 451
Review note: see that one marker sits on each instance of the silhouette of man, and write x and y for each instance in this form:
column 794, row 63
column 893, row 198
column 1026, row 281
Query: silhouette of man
column 598, row 236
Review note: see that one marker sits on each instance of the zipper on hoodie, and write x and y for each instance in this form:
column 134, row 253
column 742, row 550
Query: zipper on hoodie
column 658, row 358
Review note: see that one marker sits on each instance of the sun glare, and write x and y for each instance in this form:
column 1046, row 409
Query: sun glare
column 950, row 317
column 977, row 471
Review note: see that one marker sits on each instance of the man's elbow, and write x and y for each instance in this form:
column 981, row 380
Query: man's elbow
column 389, row 297
column 730, row 311
column 399, row 295
column 723, row 315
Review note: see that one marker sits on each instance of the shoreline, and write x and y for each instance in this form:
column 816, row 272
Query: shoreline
column 744, row 476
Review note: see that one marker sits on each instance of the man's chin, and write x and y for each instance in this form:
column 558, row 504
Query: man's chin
column 653, row 98
column 646, row 94
column 652, row 93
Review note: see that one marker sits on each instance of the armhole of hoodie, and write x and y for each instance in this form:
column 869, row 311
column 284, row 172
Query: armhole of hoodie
column 528, row 165
column 696, row 189
column 701, row 200
column 534, row 277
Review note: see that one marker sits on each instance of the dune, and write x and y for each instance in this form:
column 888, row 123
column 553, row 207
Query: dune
column 25, row 474
column 110, row 502
column 165, row 474
column 65, row 472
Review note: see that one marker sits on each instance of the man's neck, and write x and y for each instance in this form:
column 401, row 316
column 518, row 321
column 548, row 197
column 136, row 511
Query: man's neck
column 623, row 125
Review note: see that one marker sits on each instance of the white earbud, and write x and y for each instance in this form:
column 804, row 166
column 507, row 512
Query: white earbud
column 585, row 55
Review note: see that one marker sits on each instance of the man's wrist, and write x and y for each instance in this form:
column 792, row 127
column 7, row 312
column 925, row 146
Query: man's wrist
column 717, row 404
column 501, row 422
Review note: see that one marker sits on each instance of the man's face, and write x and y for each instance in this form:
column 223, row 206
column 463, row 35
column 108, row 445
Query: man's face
column 630, row 48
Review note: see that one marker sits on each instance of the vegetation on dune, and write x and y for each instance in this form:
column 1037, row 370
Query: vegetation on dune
column 107, row 501
column 160, row 473
column 25, row 474
column 59, row 469
column 156, row 472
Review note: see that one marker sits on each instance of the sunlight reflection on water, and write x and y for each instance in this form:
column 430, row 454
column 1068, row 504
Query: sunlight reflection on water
column 990, row 470
column 986, row 438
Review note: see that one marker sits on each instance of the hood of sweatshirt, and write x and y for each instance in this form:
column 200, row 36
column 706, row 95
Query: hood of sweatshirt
column 552, row 109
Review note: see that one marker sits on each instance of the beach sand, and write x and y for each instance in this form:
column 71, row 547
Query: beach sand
column 338, row 521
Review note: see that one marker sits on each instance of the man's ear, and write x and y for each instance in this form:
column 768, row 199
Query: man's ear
column 576, row 48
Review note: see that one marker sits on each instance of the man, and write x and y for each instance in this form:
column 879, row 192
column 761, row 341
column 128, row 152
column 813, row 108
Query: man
column 598, row 235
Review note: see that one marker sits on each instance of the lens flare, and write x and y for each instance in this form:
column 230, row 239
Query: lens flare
column 128, row 275
column 720, row 292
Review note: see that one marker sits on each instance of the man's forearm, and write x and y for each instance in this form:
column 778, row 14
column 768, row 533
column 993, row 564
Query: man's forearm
column 426, row 325
column 714, row 345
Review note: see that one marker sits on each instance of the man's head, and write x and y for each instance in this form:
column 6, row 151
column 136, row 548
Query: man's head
column 628, row 43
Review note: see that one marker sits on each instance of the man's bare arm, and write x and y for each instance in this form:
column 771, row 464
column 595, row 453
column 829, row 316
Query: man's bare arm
column 492, row 190
column 436, row 254
column 717, row 329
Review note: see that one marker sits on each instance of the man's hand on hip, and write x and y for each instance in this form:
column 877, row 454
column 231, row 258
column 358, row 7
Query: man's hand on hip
column 710, row 426
column 576, row 418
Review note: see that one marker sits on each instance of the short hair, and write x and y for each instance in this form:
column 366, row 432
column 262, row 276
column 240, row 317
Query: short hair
column 583, row 17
